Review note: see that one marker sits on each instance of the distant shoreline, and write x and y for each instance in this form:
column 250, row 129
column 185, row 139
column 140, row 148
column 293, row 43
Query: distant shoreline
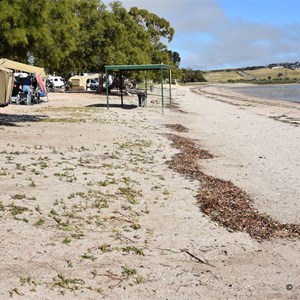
column 282, row 92
column 235, row 93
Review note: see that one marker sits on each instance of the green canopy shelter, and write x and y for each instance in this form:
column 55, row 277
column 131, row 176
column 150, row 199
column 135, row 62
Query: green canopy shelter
column 153, row 67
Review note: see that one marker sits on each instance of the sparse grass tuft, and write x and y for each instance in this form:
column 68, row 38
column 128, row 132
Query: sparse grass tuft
column 127, row 271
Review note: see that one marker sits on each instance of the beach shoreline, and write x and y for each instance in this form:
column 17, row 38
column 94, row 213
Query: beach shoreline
column 249, row 142
column 91, row 208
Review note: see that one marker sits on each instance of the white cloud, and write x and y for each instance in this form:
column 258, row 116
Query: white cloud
column 206, row 38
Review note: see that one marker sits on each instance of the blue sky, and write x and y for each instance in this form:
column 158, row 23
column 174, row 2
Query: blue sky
column 215, row 34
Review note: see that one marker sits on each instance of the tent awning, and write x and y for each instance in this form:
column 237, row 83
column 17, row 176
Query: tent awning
column 5, row 69
column 14, row 65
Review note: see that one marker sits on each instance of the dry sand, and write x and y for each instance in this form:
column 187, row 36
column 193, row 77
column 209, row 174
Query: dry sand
column 90, row 208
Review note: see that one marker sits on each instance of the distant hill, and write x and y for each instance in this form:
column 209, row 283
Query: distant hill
column 288, row 65
column 272, row 73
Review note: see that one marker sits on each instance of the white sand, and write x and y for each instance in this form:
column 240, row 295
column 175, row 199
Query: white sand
column 252, row 150
column 86, row 190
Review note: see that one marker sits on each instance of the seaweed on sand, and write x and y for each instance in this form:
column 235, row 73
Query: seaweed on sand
column 221, row 200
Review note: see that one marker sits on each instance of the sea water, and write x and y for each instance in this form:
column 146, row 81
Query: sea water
column 285, row 92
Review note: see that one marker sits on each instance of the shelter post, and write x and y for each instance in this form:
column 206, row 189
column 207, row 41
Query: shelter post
column 170, row 88
column 106, row 86
column 162, row 90
column 146, row 86
column 121, row 87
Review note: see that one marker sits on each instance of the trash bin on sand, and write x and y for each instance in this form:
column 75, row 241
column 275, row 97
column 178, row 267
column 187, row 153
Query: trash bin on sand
column 142, row 99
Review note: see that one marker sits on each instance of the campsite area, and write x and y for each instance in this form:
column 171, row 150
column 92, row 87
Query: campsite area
column 92, row 205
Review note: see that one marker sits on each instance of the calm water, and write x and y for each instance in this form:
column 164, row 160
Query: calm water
column 286, row 92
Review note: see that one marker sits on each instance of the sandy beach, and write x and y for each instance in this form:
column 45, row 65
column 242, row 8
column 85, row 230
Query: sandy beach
column 201, row 202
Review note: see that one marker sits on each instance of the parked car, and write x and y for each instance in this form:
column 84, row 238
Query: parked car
column 92, row 84
column 57, row 81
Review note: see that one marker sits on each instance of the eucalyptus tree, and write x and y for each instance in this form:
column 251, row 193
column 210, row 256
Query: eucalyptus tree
column 175, row 57
column 109, row 36
column 23, row 26
column 90, row 39
column 41, row 31
column 81, row 35
column 156, row 26
column 130, row 43
column 61, row 38
column 160, row 32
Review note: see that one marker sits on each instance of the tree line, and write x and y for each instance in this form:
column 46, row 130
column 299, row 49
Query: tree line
column 75, row 36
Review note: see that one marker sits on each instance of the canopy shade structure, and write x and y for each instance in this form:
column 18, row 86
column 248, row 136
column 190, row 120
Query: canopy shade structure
column 17, row 66
column 137, row 67
column 153, row 67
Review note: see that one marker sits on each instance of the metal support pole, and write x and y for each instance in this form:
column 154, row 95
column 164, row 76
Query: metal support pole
column 170, row 89
column 146, row 87
column 162, row 90
column 121, row 88
column 106, row 85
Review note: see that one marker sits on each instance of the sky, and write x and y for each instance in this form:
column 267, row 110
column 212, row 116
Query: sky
column 220, row 34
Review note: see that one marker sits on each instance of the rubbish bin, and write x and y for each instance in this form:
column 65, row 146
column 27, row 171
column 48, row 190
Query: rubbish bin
column 151, row 88
column 142, row 99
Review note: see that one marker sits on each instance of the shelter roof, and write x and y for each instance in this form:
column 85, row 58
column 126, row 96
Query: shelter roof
column 137, row 67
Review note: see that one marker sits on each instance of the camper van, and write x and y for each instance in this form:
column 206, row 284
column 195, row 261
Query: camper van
column 57, row 81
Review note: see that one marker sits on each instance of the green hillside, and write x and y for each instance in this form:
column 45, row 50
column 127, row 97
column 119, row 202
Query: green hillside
column 259, row 75
column 221, row 76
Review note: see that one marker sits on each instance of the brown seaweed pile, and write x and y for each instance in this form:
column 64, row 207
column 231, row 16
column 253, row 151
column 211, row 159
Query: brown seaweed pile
column 177, row 127
column 221, row 200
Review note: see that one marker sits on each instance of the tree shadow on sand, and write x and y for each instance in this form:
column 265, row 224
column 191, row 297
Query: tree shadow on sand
column 13, row 119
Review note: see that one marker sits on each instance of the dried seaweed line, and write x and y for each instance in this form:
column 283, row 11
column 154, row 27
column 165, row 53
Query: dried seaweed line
column 221, row 200
column 177, row 127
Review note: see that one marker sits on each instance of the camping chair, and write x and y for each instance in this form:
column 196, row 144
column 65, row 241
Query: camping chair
column 23, row 98
column 36, row 96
